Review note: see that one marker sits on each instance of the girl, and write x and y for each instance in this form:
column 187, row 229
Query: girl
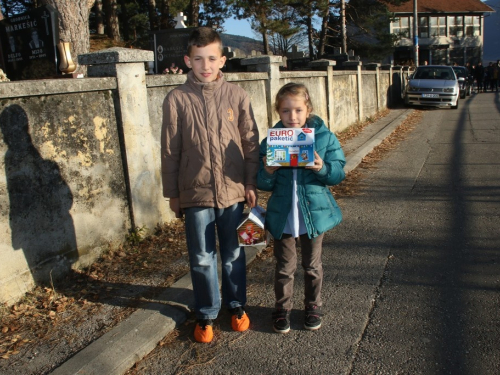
column 301, row 206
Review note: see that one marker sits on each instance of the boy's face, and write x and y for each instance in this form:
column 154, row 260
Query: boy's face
column 205, row 62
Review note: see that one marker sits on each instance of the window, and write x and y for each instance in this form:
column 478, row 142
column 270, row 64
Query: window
column 423, row 27
column 473, row 55
column 401, row 26
column 456, row 26
column 457, row 55
column 438, row 26
column 472, row 26
column 439, row 55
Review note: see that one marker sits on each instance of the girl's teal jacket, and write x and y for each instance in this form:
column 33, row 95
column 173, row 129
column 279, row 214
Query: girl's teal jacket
column 318, row 206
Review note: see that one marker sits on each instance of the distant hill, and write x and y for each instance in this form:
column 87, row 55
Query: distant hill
column 492, row 32
column 244, row 44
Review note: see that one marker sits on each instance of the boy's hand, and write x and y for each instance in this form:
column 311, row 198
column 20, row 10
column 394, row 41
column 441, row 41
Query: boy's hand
column 269, row 169
column 175, row 206
column 251, row 196
column 318, row 163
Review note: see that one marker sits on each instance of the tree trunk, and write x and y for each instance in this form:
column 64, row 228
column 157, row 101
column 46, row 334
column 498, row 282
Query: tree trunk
column 153, row 16
column 1, row 14
column 113, row 26
column 73, row 27
column 124, row 16
column 195, row 13
column 265, row 41
column 99, row 17
column 322, row 36
column 165, row 16
column 310, row 37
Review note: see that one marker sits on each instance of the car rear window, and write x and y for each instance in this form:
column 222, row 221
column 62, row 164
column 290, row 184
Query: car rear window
column 434, row 73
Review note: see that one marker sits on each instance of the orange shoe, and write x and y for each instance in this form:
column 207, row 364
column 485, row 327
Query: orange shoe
column 203, row 332
column 239, row 321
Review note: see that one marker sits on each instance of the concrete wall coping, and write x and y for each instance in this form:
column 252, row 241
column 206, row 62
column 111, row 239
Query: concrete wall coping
column 116, row 55
column 162, row 80
column 246, row 76
column 262, row 60
column 55, row 86
column 303, row 74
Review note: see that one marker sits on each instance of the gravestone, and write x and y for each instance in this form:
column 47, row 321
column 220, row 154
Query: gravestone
column 29, row 44
column 170, row 46
column 297, row 60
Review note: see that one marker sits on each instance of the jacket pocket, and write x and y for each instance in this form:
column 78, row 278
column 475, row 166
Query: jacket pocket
column 195, row 174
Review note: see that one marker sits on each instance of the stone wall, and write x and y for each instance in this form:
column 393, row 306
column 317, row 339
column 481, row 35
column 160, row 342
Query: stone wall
column 79, row 158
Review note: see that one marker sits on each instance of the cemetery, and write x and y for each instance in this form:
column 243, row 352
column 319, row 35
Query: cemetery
column 86, row 151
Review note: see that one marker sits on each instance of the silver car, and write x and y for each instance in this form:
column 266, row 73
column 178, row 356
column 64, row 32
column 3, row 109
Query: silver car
column 433, row 85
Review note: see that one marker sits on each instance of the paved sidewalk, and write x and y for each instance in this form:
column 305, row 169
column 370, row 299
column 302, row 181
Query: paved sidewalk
column 117, row 351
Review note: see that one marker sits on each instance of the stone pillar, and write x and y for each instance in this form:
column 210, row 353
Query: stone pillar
column 351, row 65
column 390, row 99
column 328, row 65
column 376, row 67
column 270, row 65
column 141, row 165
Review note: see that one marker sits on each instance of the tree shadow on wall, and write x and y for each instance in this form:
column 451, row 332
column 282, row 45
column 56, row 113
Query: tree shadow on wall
column 40, row 200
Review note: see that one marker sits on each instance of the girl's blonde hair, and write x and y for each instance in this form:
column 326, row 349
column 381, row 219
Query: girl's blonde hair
column 293, row 89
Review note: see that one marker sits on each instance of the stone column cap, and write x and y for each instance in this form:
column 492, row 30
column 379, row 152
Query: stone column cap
column 116, row 55
column 322, row 62
column 372, row 66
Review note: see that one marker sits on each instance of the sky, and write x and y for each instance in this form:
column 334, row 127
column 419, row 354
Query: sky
column 234, row 26
column 492, row 33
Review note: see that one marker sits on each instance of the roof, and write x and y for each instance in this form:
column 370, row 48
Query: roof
column 439, row 6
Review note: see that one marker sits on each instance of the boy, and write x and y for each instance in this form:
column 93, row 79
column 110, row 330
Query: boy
column 210, row 158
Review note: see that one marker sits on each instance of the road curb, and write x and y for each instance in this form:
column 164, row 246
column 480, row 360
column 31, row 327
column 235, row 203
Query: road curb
column 355, row 158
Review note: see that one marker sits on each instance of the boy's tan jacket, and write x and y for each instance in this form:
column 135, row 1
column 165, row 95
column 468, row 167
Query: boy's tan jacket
column 209, row 144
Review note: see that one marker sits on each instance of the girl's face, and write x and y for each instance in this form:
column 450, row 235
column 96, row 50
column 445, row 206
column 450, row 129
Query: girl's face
column 293, row 111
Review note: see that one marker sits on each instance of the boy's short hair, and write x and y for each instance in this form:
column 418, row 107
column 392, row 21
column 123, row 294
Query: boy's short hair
column 203, row 36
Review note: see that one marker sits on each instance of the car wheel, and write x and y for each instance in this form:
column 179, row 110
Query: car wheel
column 468, row 91
column 462, row 95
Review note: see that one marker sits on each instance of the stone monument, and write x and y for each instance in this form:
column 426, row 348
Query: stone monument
column 29, row 44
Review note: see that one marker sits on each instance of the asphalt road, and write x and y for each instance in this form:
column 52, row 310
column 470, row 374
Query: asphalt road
column 412, row 275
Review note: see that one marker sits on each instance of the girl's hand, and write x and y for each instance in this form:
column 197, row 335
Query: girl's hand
column 269, row 169
column 318, row 163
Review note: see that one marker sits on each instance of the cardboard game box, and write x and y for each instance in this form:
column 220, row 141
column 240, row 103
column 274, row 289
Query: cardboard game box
column 290, row 147
column 251, row 230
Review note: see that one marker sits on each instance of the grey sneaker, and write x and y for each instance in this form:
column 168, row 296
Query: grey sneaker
column 312, row 319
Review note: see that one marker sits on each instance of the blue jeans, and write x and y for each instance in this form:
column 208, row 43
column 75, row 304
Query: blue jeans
column 201, row 224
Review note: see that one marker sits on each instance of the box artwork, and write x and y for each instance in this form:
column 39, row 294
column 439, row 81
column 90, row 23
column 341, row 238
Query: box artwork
column 290, row 147
column 251, row 230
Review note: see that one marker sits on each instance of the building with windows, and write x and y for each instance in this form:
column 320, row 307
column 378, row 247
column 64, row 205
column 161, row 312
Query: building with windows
column 449, row 31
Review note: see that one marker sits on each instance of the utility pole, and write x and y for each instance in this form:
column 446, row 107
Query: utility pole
column 415, row 33
column 344, row 32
